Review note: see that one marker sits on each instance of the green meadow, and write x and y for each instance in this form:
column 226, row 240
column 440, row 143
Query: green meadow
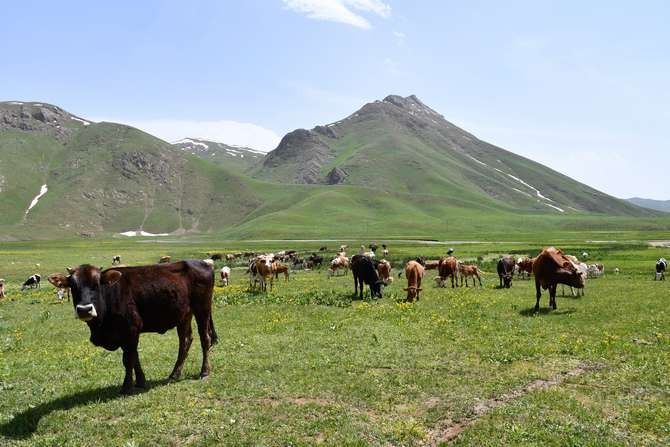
column 307, row 364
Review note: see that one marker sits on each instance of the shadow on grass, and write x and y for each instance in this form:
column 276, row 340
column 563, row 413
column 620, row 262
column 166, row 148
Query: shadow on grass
column 531, row 312
column 24, row 424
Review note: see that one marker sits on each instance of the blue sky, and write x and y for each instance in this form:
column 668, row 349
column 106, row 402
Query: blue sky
column 582, row 87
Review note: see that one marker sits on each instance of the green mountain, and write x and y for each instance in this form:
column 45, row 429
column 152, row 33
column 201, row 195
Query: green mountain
column 401, row 145
column 658, row 205
column 394, row 168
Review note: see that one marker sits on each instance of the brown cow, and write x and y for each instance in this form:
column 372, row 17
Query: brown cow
column 118, row 304
column 550, row 268
column 164, row 259
column 448, row 266
column 505, row 270
column 525, row 265
column 414, row 273
column 466, row 270
column 278, row 268
column 384, row 271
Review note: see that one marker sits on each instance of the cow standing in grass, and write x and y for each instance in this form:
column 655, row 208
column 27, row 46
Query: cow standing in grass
column 2, row 288
column 33, row 282
column 363, row 271
column 121, row 303
column 551, row 268
column 505, row 270
column 447, row 266
column 466, row 271
column 414, row 274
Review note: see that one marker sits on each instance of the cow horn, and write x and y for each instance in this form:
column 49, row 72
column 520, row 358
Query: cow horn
column 70, row 270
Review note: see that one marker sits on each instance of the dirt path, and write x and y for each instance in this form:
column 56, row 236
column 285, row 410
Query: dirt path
column 448, row 430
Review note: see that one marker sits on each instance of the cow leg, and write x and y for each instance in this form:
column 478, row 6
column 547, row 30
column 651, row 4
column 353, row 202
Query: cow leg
column 480, row 281
column 185, row 334
column 500, row 277
column 203, row 319
column 538, row 294
column 552, row 296
column 129, row 360
column 140, row 380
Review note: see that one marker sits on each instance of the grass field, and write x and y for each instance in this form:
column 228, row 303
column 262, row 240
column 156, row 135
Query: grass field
column 306, row 364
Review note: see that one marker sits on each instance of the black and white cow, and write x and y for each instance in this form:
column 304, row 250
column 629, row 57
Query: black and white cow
column 661, row 266
column 116, row 259
column 32, row 282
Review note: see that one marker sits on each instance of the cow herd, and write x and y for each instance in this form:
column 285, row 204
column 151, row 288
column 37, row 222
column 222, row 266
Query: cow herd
column 120, row 303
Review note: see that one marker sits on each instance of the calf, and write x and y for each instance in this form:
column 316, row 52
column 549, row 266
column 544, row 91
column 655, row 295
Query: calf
column 505, row 270
column 414, row 273
column 225, row 275
column 661, row 266
column 447, row 266
column 278, row 268
column 384, row 271
column 119, row 304
column 466, row 271
column 364, row 271
column 32, row 282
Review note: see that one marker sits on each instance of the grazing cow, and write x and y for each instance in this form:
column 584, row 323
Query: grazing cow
column 2, row 288
column 264, row 272
column 465, row 271
column 661, row 266
column 363, row 270
column 550, row 268
column 119, row 304
column 230, row 257
column 583, row 270
column 225, row 275
column 278, row 268
column 253, row 273
column 447, row 266
column 164, row 259
column 386, row 251
column 525, row 265
column 505, row 269
column 384, row 271
column 414, row 273
column 32, row 282
column 116, row 259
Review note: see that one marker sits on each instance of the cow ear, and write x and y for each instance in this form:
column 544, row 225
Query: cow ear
column 59, row 280
column 110, row 277
column 419, row 290
column 70, row 270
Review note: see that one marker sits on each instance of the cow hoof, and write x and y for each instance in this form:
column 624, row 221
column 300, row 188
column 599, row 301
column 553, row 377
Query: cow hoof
column 203, row 376
column 142, row 384
column 125, row 391
column 173, row 377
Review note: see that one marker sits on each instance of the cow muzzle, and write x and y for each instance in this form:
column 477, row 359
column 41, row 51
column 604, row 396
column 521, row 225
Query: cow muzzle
column 86, row 312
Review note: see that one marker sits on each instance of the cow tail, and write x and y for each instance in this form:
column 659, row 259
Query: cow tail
column 212, row 332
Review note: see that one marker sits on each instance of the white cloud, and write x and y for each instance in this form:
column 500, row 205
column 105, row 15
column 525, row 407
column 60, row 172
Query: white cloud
column 223, row 131
column 340, row 10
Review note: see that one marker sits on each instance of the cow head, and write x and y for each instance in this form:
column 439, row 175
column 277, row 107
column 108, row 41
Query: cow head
column 376, row 288
column 86, row 283
column 412, row 293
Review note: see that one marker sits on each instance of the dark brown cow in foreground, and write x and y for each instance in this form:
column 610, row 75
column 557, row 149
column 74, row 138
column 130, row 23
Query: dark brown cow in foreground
column 119, row 304
column 550, row 268
column 448, row 266
column 414, row 273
